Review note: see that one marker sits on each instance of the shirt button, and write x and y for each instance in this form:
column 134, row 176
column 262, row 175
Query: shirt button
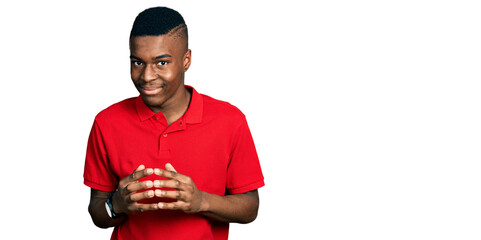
column 165, row 135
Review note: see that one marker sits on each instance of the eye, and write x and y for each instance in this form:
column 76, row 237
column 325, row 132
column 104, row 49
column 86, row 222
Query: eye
column 162, row 63
column 137, row 63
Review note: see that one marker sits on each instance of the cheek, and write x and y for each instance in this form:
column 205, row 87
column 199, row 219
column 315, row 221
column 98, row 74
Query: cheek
column 134, row 74
column 178, row 73
column 168, row 76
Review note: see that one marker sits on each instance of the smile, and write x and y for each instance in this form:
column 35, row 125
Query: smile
column 152, row 91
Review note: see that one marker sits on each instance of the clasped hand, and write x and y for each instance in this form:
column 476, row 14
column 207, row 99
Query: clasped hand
column 126, row 198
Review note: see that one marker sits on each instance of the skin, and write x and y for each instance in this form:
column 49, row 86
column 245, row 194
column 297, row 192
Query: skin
column 158, row 65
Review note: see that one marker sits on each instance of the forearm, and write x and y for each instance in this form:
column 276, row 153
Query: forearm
column 99, row 214
column 239, row 208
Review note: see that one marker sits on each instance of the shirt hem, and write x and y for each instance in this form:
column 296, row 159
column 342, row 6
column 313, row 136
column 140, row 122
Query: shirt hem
column 98, row 186
column 247, row 188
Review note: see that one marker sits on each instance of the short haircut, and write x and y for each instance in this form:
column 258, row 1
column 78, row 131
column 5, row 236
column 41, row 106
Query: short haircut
column 158, row 21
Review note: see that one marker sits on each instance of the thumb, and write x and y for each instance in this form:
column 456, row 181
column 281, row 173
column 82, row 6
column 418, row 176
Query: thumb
column 169, row 167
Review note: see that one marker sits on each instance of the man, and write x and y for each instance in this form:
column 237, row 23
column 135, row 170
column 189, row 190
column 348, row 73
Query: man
column 171, row 163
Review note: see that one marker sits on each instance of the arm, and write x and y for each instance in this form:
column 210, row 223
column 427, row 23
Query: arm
column 98, row 212
column 124, row 199
column 240, row 208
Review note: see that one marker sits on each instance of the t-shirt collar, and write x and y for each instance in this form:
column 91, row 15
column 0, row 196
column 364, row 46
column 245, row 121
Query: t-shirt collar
column 192, row 115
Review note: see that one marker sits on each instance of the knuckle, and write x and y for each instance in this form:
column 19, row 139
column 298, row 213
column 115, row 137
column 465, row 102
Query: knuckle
column 131, row 208
column 147, row 184
column 148, row 194
column 160, row 183
column 121, row 183
column 153, row 207
column 125, row 189
column 130, row 198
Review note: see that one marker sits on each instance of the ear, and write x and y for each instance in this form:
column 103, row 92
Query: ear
column 187, row 59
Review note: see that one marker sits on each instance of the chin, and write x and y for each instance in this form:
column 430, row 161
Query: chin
column 153, row 101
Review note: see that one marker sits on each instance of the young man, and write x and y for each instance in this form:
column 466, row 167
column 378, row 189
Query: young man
column 171, row 163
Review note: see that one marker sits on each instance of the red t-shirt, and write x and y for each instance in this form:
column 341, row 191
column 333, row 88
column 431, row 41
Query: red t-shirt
column 211, row 143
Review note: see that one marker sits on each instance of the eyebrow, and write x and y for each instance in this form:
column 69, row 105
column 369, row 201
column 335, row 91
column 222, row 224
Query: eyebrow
column 135, row 57
column 158, row 57
column 163, row 56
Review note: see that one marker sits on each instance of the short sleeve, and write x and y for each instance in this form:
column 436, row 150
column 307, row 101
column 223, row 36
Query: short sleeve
column 97, row 172
column 244, row 172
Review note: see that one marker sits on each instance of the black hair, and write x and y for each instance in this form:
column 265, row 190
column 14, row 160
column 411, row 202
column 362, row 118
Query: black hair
column 159, row 21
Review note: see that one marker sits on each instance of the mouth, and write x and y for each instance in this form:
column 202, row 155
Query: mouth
column 151, row 91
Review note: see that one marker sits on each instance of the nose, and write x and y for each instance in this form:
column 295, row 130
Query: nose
column 148, row 74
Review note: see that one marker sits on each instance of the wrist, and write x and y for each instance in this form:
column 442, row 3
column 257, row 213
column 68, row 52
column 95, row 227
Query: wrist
column 111, row 210
column 114, row 201
column 205, row 202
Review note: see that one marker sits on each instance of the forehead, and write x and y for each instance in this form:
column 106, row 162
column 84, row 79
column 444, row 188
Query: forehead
column 149, row 46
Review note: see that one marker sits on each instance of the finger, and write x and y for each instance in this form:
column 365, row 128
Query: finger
column 165, row 173
column 179, row 195
column 171, row 206
column 174, row 184
column 135, row 197
column 136, row 186
column 139, row 173
column 140, row 167
column 136, row 175
column 169, row 167
column 124, row 181
column 142, row 207
column 172, row 175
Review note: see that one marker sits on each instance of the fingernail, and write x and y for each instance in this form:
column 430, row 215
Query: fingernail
column 158, row 193
column 150, row 171
column 156, row 183
column 157, row 171
column 150, row 193
column 161, row 205
column 149, row 184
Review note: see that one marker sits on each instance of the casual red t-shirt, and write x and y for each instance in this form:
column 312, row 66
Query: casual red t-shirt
column 211, row 143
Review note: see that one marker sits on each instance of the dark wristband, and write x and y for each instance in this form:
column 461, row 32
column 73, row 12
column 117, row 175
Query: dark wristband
column 111, row 208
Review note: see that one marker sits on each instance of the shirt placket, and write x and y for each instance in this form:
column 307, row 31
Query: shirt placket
column 160, row 125
column 165, row 149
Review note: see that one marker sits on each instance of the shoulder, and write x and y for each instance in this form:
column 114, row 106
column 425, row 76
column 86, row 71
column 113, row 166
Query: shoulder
column 221, row 109
column 120, row 109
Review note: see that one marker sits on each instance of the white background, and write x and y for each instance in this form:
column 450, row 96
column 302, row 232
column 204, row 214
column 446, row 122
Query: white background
column 366, row 114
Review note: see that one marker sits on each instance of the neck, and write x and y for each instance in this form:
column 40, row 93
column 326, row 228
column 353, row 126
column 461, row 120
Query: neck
column 172, row 112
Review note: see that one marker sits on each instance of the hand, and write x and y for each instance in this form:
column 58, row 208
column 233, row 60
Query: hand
column 125, row 199
column 189, row 198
